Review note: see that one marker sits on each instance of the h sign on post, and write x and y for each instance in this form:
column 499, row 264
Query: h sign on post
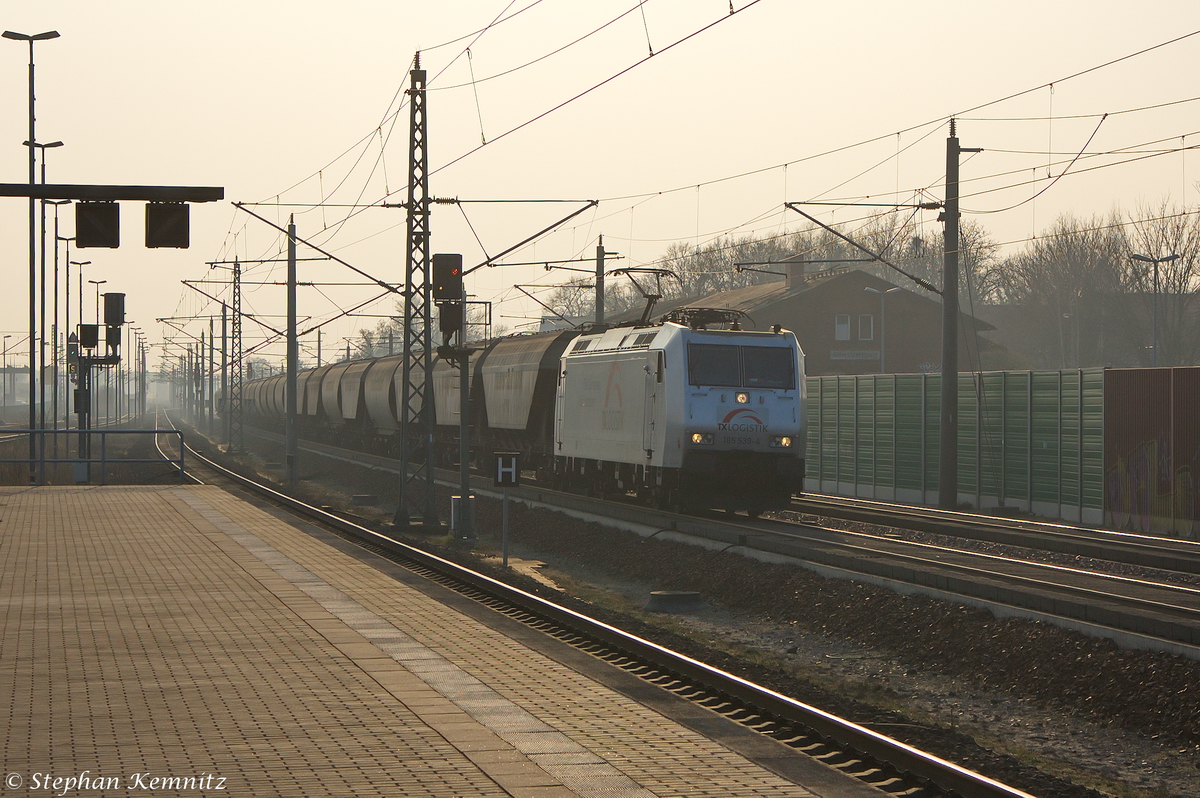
column 508, row 470
column 508, row 475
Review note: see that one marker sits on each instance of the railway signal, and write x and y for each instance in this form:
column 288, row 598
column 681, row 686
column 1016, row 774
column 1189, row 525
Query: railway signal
column 447, row 278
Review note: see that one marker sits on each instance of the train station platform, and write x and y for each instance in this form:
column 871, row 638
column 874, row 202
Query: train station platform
column 180, row 640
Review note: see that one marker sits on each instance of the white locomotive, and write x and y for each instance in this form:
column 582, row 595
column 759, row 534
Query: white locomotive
column 685, row 416
column 681, row 415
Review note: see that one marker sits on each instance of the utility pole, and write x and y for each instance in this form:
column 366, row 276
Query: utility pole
column 225, row 375
column 201, row 392
column 416, row 412
column 293, row 358
column 237, row 436
column 189, row 378
column 145, row 377
column 212, row 367
column 948, row 441
column 600, row 281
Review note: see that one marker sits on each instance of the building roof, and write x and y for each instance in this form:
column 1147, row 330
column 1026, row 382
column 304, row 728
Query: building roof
column 757, row 300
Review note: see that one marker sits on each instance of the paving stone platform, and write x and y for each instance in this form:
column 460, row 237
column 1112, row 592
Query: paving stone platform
column 179, row 640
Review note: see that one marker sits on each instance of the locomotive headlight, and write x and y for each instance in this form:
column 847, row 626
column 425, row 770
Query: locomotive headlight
column 743, row 398
column 702, row 438
column 781, row 442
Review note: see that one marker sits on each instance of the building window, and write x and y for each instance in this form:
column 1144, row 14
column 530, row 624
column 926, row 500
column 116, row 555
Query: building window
column 866, row 328
column 841, row 327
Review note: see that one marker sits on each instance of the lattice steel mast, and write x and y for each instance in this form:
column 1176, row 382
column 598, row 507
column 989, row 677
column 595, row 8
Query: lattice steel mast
column 237, row 436
column 416, row 414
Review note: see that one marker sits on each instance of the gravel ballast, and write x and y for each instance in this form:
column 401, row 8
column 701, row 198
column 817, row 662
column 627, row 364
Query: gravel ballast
column 1047, row 710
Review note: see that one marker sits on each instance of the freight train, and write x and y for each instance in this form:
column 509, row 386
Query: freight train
column 689, row 413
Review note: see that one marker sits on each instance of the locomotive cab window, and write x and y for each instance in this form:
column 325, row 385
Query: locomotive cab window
column 741, row 366
column 714, row 364
column 769, row 367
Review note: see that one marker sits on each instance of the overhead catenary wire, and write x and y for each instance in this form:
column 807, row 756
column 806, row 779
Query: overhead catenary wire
column 694, row 185
column 977, row 107
column 394, row 117
column 585, row 92
column 1138, row 109
column 541, row 58
column 847, row 200
column 497, row 21
column 931, row 122
column 1053, row 182
column 1099, row 228
column 564, row 103
column 1077, row 172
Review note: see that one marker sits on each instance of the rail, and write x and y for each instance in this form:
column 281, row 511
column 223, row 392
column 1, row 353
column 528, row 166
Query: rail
column 83, row 463
column 663, row 666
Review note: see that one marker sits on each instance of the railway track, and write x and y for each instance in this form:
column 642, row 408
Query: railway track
column 888, row 765
column 1169, row 554
column 1154, row 605
column 1154, row 610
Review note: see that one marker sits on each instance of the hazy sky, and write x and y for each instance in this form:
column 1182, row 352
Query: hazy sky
column 291, row 103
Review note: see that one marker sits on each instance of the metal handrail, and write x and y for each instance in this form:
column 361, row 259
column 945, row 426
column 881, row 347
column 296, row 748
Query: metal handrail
column 103, row 459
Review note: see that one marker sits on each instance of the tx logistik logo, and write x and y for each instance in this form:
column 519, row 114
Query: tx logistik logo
column 742, row 420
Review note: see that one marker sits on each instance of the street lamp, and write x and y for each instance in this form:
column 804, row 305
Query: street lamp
column 882, row 323
column 42, row 277
column 66, row 311
column 54, row 328
column 95, row 407
column 80, row 264
column 136, row 383
column 4, row 387
column 31, row 144
column 37, row 37
column 97, row 283
column 1155, row 261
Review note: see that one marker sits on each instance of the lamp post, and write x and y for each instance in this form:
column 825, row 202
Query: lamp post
column 79, row 373
column 66, row 311
column 80, row 264
column 33, row 345
column 54, row 328
column 94, row 400
column 1155, row 261
column 135, row 406
column 42, row 282
column 4, row 388
column 97, row 283
column 55, row 372
column 882, row 323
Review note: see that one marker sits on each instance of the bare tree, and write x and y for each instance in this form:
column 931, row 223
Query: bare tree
column 576, row 299
column 386, row 337
column 1175, row 301
column 923, row 255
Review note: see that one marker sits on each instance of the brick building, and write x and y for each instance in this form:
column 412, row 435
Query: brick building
column 839, row 324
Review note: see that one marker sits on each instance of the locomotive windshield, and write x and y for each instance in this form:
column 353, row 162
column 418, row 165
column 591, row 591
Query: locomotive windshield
column 741, row 366
column 710, row 364
column 769, row 367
